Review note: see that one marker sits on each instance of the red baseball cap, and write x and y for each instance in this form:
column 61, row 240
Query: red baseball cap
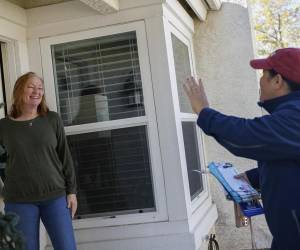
column 285, row 62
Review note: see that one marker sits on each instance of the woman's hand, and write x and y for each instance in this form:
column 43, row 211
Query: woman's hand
column 196, row 93
column 72, row 203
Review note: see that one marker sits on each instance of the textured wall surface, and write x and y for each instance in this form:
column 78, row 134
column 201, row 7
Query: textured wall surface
column 223, row 47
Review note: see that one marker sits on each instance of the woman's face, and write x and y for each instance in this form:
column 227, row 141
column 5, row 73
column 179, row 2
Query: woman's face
column 33, row 92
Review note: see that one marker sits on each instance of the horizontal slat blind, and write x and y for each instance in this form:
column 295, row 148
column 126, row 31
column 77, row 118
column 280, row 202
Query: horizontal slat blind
column 98, row 79
column 183, row 70
column 113, row 171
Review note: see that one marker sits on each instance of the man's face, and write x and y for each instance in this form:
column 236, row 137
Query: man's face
column 267, row 87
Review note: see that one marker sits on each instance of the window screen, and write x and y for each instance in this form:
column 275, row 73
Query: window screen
column 192, row 157
column 183, row 70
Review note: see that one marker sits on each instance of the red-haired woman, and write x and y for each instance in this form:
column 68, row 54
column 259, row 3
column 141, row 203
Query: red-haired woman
column 40, row 180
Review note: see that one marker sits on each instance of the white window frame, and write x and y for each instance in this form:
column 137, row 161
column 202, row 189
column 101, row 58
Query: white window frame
column 11, row 67
column 149, row 120
column 186, row 37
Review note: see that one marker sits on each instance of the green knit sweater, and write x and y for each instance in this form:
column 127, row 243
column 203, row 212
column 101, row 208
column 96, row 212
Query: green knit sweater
column 39, row 164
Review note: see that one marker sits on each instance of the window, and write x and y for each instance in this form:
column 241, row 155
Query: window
column 98, row 81
column 192, row 157
column 113, row 170
column 183, row 70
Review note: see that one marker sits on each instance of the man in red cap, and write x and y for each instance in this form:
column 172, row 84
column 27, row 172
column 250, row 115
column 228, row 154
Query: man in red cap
column 273, row 140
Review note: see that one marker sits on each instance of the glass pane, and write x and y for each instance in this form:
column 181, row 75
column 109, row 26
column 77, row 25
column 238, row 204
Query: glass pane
column 192, row 158
column 98, row 79
column 183, row 70
column 113, row 171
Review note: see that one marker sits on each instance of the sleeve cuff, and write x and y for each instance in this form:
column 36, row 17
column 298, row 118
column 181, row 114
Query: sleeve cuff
column 71, row 190
column 204, row 119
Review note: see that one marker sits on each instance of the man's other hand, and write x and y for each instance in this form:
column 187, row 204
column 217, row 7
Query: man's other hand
column 242, row 176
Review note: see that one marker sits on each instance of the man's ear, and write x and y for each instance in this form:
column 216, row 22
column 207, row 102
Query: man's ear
column 278, row 82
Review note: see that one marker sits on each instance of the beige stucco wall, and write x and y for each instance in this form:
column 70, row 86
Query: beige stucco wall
column 223, row 47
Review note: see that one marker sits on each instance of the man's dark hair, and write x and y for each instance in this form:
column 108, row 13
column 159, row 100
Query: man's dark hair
column 293, row 86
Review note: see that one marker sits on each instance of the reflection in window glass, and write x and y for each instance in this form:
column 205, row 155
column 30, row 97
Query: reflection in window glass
column 98, row 79
column 192, row 158
column 183, row 70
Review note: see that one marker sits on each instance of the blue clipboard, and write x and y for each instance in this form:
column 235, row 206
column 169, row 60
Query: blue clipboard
column 238, row 190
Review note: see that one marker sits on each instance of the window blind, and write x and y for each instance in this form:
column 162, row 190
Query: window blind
column 113, row 172
column 98, row 79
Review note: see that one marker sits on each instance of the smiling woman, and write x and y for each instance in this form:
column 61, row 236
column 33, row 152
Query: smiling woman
column 40, row 178
column 28, row 94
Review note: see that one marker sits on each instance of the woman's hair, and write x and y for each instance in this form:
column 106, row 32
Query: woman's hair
column 18, row 92
column 293, row 86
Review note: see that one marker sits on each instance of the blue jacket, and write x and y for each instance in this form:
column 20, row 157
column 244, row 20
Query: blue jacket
column 272, row 140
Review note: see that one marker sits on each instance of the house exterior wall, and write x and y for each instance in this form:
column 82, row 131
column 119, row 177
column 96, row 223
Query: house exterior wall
column 223, row 48
column 181, row 227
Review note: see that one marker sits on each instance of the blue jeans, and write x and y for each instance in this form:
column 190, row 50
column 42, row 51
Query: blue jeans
column 56, row 218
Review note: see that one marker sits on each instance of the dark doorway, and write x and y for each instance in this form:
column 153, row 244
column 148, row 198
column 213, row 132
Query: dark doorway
column 3, row 106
